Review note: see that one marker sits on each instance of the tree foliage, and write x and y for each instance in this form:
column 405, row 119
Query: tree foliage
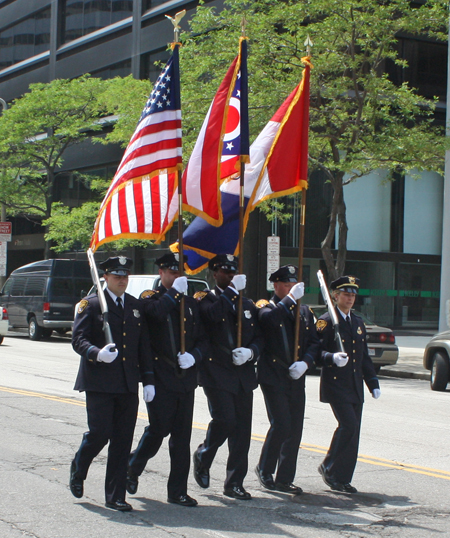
column 40, row 126
column 360, row 121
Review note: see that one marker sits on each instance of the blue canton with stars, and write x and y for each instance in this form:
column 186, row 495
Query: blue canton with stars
column 166, row 91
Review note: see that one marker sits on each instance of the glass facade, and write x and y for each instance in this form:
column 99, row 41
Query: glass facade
column 25, row 39
column 80, row 17
column 149, row 4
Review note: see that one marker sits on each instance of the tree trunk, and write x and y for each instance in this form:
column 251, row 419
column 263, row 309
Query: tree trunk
column 335, row 268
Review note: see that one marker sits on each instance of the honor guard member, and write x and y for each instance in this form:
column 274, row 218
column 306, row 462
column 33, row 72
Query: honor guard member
column 282, row 380
column 171, row 411
column 228, row 375
column 109, row 374
column 341, row 383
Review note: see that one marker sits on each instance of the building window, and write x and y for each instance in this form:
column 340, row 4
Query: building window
column 120, row 69
column 25, row 39
column 152, row 64
column 80, row 17
column 149, row 4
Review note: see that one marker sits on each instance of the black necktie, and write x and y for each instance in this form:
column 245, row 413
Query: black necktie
column 347, row 319
column 119, row 302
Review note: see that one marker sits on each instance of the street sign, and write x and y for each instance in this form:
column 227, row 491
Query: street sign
column 2, row 257
column 5, row 231
column 273, row 258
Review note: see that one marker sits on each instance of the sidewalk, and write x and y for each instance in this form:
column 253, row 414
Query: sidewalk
column 410, row 357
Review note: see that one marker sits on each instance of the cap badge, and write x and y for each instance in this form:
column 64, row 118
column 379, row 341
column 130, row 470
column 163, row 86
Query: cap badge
column 122, row 260
column 291, row 269
column 351, row 279
column 230, row 257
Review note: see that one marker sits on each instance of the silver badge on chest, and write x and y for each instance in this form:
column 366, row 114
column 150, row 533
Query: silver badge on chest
column 136, row 313
column 247, row 314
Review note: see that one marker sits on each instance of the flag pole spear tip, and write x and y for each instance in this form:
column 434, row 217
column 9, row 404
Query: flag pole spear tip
column 243, row 25
column 176, row 27
column 308, row 44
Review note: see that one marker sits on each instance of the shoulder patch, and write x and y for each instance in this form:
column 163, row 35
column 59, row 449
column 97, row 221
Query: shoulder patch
column 262, row 303
column 146, row 294
column 200, row 295
column 321, row 324
column 82, row 306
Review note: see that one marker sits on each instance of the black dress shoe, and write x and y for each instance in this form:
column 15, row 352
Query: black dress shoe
column 76, row 484
column 182, row 500
column 237, row 492
column 120, row 505
column 334, row 484
column 132, row 483
column 348, row 488
column 265, row 479
column 201, row 474
column 288, row 488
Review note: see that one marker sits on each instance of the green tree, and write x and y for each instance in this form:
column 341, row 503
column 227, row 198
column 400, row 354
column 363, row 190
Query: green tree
column 39, row 127
column 360, row 121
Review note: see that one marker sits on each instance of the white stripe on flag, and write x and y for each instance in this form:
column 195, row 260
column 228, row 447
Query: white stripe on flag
column 147, row 160
column 148, row 209
column 115, row 221
column 101, row 227
column 131, row 208
column 163, row 195
column 192, row 184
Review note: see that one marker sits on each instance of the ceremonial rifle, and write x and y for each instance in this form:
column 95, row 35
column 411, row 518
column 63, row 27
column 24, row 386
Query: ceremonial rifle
column 331, row 310
column 101, row 297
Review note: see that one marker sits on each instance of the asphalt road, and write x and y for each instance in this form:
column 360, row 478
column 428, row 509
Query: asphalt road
column 403, row 473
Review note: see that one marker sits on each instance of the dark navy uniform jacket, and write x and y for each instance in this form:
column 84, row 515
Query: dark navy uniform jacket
column 277, row 322
column 345, row 384
column 134, row 360
column 162, row 311
column 218, row 313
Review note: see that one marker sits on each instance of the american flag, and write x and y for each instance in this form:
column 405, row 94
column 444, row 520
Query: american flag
column 136, row 204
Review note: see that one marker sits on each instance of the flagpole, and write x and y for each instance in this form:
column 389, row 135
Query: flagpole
column 244, row 157
column 301, row 243
column 175, row 44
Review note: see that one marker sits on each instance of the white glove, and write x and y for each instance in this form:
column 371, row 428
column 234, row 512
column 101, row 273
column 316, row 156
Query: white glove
column 376, row 393
column 241, row 355
column 297, row 291
column 340, row 359
column 185, row 360
column 239, row 282
column 180, row 284
column 106, row 354
column 149, row 393
column 297, row 369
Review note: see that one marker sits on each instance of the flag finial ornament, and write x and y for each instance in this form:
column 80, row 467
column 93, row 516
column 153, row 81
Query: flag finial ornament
column 175, row 20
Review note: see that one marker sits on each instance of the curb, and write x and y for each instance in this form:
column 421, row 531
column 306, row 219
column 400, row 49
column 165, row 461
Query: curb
column 405, row 375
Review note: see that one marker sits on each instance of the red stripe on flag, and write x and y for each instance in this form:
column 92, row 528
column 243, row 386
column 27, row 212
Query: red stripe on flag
column 123, row 213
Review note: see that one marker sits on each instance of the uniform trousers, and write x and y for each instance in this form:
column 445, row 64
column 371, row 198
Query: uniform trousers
column 110, row 417
column 285, row 410
column 231, row 419
column 170, row 413
column 340, row 461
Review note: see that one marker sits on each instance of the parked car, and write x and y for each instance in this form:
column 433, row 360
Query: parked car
column 436, row 358
column 380, row 340
column 3, row 323
column 40, row 296
column 139, row 283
